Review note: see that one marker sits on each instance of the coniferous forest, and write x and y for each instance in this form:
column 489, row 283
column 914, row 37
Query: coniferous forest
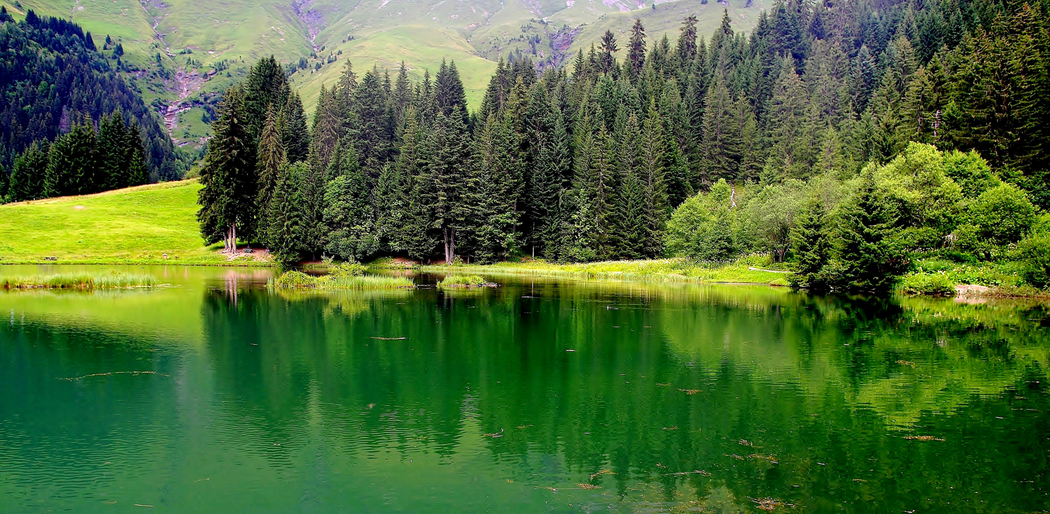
column 69, row 124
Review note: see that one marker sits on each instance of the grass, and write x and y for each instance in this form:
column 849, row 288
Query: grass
column 463, row 281
column 675, row 270
column 80, row 281
column 298, row 281
column 154, row 224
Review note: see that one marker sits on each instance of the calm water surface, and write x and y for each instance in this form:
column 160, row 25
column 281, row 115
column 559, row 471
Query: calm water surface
column 213, row 395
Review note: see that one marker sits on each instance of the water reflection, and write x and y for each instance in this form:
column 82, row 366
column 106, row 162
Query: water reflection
column 539, row 396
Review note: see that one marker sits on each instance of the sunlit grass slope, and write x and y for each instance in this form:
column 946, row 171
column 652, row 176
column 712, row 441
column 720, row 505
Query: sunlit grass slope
column 137, row 224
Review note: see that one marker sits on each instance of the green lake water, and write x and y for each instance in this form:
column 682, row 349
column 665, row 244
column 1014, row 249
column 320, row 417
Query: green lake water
column 213, row 395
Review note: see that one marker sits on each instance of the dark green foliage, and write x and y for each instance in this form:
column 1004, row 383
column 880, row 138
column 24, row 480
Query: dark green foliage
column 271, row 158
column 287, row 229
column 706, row 149
column 865, row 260
column 294, row 135
column 265, row 89
column 28, row 174
column 228, row 198
column 811, row 244
column 50, row 75
column 349, row 218
column 72, row 167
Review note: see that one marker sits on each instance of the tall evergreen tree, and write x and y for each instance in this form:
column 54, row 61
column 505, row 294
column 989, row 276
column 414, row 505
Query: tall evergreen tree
column 271, row 158
column 73, row 164
column 295, row 136
column 28, row 174
column 228, row 195
column 866, row 260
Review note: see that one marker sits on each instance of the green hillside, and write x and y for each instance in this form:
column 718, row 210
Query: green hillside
column 140, row 223
column 184, row 53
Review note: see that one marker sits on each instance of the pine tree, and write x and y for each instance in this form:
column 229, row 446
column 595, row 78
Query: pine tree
column 73, row 164
column 685, row 51
column 134, row 157
column 265, row 88
column 447, row 181
column 111, row 141
column 228, row 196
column 721, row 145
column 636, row 48
column 28, row 174
column 329, row 126
column 286, row 230
column 270, row 160
column 654, row 162
column 295, row 136
column 448, row 92
column 865, row 260
column 811, row 245
column 606, row 60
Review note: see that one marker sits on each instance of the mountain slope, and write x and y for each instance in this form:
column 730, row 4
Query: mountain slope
column 186, row 52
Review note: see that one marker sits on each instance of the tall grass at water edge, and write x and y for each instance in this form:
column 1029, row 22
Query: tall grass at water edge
column 79, row 281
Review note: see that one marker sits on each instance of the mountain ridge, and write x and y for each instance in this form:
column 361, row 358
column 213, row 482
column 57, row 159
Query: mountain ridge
column 181, row 55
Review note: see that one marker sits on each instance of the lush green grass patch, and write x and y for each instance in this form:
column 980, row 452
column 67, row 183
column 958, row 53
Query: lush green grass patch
column 154, row 224
column 298, row 281
column 464, row 281
column 747, row 270
column 80, row 281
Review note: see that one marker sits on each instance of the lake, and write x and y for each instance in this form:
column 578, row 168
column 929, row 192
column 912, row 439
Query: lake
column 215, row 395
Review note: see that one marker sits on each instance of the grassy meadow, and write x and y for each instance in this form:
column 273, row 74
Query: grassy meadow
column 138, row 224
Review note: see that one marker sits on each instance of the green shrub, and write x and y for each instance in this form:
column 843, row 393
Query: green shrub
column 929, row 284
column 1035, row 260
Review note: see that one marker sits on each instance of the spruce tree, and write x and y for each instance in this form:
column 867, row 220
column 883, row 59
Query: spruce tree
column 295, row 136
column 265, row 88
column 865, row 259
column 636, row 48
column 270, row 160
column 228, row 195
column 286, row 230
column 28, row 174
column 654, row 161
column 811, row 245
column 134, row 157
column 111, row 142
column 73, row 164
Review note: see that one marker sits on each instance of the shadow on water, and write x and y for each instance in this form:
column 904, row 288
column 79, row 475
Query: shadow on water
column 538, row 396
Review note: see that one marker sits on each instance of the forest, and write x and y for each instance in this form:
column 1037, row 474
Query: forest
column 846, row 138
column 63, row 93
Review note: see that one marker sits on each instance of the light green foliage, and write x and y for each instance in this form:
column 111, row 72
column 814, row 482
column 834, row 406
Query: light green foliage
column 921, row 192
column 701, row 228
column 771, row 214
column 296, row 280
column 970, row 171
column 928, row 284
column 1002, row 215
